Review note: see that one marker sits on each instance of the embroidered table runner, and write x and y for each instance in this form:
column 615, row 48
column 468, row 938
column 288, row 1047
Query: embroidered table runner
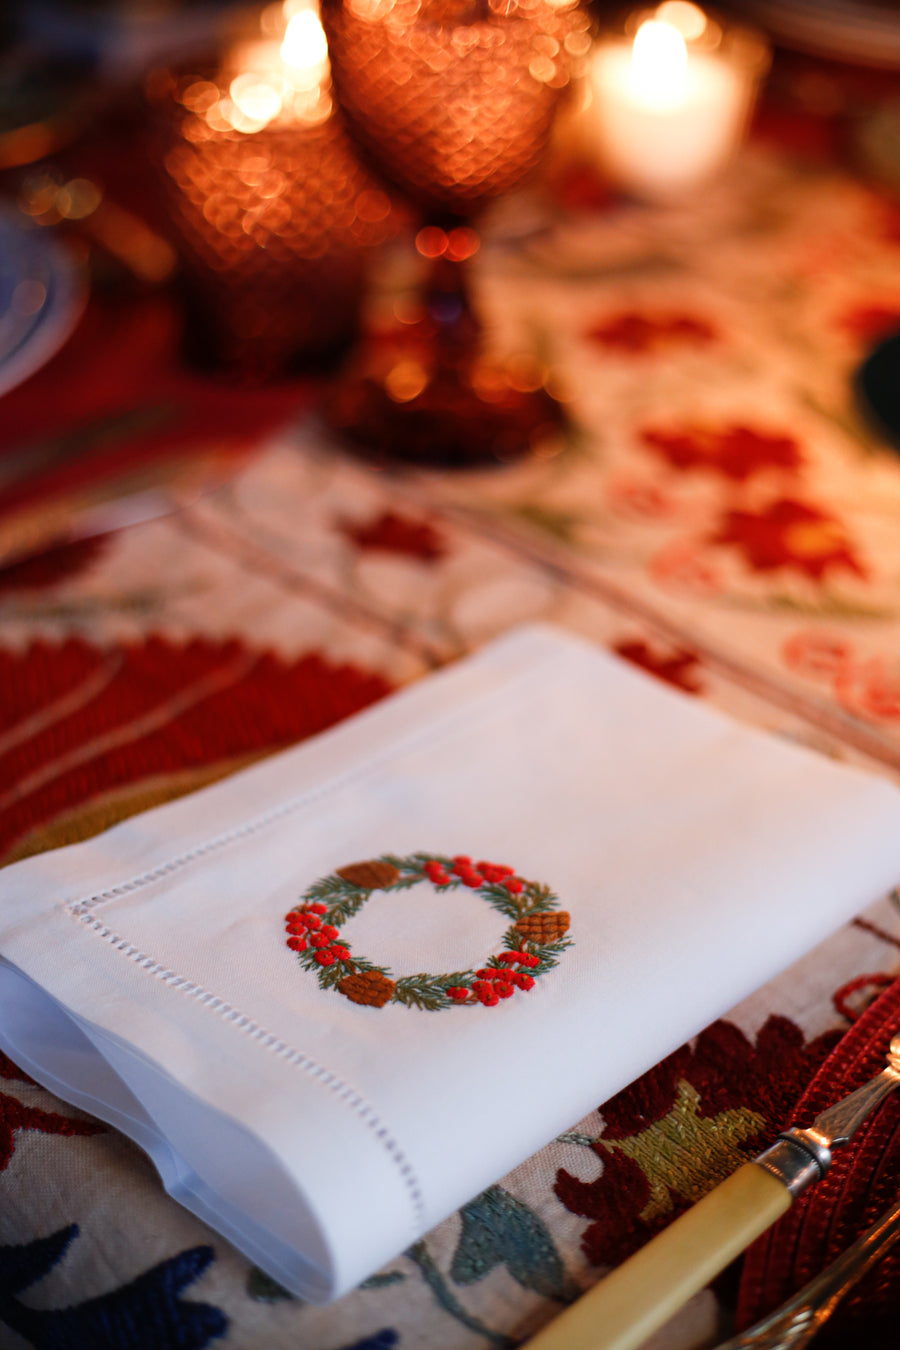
column 323, row 984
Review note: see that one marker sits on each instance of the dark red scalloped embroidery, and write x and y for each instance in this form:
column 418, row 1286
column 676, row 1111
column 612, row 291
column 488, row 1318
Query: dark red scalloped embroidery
column 12, row 1071
column 393, row 533
column 152, row 708
column 15, row 1115
column 727, row 1071
column 679, row 668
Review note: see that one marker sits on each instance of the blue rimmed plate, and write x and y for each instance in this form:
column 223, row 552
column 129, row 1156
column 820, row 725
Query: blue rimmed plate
column 42, row 295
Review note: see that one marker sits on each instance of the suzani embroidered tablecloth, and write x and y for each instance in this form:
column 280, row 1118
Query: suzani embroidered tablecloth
column 720, row 516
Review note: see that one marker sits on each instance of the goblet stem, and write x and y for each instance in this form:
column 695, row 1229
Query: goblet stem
column 453, row 101
column 429, row 395
column 448, row 304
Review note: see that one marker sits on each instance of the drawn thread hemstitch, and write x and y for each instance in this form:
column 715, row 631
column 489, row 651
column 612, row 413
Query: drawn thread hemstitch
column 78, row 908
column 343, row 1091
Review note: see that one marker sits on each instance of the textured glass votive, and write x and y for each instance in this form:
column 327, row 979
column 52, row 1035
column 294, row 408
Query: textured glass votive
column 271, row 209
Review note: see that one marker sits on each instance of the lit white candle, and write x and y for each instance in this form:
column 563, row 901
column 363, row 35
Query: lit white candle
column 666, row 112
column 282, row 79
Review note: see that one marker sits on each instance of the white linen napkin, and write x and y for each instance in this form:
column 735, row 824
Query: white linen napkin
column 637, row 864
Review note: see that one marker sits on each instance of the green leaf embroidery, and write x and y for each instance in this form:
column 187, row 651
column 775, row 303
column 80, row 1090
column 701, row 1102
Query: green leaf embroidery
column 263, row 1289
column 498, row 1229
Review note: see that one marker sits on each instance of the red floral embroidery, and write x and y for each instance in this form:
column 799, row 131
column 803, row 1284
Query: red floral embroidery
column 15, row 1116
column 639, row 498
column 728, row 1072
column 736, row 452
column 679, row 669
column 790, row 534
column 635, row 332
column 682, row 564
column 816, row 653
column 393, row 533
column 869, row 986
column 12, row 1071
column 869, row 689
column 869, row 323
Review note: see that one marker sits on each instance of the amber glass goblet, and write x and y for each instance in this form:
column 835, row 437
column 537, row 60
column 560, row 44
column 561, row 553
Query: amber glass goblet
column 453, row 103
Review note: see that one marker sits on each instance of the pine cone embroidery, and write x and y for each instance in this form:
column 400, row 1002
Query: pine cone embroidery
column 535, row 944
column 547, row 926
column 368, row 987
column 371, row 876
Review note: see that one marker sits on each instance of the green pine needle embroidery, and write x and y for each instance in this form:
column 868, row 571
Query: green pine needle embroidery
column 532, row 945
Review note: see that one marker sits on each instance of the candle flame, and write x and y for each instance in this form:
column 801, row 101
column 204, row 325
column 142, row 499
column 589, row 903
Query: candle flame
column 659, row 66
column 256, row 99
column 304, row 47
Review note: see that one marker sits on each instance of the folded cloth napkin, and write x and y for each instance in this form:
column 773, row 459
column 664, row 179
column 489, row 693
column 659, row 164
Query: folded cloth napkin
column 338, row 994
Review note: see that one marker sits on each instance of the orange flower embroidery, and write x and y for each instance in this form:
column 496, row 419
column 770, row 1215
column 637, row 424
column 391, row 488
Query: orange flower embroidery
column 736, row 452
column 640, row 333
column 790, row 534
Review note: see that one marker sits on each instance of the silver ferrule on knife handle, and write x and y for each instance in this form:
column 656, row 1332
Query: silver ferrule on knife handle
column 795, row 1160
column 799, row 1158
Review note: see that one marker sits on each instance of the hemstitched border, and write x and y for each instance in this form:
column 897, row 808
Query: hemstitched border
column 269, row 1041
column 78, row 908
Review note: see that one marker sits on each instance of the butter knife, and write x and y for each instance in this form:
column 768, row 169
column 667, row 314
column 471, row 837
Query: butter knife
column 637, row 1298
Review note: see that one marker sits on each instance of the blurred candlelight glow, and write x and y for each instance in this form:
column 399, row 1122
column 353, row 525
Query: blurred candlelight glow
column 688, row 20
column 659, row 65
column 256, row 99
column 283, row 76
column 670, row 106
column 304, row 48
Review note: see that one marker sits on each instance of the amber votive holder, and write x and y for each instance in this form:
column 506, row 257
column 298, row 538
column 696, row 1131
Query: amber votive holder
column 273, row 218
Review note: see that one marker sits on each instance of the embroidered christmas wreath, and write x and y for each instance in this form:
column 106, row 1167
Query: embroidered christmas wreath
column 531, row 946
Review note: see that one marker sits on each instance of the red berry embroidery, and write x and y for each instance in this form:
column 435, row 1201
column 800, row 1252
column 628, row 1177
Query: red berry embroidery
column 312, row 932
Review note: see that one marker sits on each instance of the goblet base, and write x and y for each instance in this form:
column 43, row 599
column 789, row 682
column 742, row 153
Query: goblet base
column 448, row 422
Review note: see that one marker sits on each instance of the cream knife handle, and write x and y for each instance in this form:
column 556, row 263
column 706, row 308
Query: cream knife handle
column 635, row 1300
